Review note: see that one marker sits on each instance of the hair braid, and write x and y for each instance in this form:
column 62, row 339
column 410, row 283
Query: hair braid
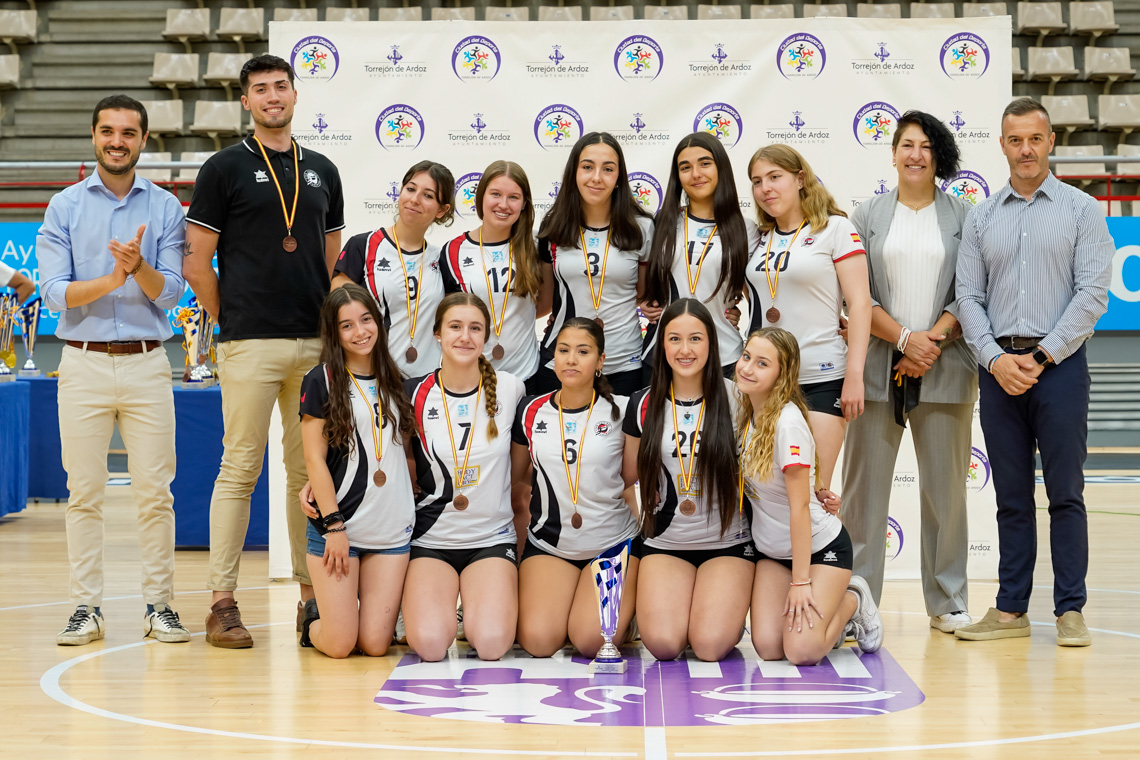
column 603, row 388
column 489, row 394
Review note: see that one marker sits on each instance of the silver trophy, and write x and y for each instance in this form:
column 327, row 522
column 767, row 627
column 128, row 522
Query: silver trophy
column 609, row 579
column 198, row 341
column 9, row 309
column 29, row 326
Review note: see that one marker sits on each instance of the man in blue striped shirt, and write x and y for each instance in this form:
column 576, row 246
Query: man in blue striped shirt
column 1032, row 281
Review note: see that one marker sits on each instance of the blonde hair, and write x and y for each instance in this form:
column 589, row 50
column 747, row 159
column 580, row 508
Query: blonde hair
column 759, row 449
column 815, row 201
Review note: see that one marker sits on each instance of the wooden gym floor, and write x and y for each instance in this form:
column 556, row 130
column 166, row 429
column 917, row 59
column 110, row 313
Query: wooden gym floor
column 122, row 697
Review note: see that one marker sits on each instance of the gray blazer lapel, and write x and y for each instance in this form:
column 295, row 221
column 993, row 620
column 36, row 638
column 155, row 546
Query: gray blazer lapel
column 884, row 212
column 950, row 223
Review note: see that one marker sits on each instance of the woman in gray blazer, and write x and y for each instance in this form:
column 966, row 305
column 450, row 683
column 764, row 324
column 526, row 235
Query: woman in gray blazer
column 917, row 370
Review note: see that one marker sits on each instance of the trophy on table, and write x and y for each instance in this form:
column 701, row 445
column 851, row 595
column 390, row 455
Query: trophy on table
column 9, row 308
column 609, row 570
column 198, row 341
column 29, row 325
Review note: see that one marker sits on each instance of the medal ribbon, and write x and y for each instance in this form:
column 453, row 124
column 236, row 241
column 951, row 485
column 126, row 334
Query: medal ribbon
column 590, row 277
column 451, row 434
column 374, row 415
column 497, row 322
column 289, row 217
column 413, row 315
column 686, row 477
column 772, row 285
column 581, row 445
column 700, row 261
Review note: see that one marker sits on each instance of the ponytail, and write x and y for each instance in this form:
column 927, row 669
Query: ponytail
column 603, row 388
column 489, row 394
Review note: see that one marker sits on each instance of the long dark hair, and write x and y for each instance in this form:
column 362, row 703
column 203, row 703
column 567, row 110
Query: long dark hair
column 718, row 467
column 339, row 425
column 563, row 223
column 486, row 370
column 444, row 187
column 943, row 146
column 601, row 383
column 726, row 213
column 528, row 272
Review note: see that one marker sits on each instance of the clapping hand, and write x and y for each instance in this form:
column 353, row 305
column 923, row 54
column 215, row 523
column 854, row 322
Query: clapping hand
column 128, row 255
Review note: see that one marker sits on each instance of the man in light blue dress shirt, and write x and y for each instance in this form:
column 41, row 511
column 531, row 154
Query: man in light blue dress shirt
column 1032, row 281
column 110, row 256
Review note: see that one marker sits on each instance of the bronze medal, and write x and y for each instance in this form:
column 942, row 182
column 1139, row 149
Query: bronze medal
column 601, row 324
column 411, row 354
column 688, row 507
column 497, row 352
column 772, row 315
column 576, row 521
column 460, row 502
column 289, row 243
column 379, row 478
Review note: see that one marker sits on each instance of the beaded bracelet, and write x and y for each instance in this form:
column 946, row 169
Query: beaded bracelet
column 341, row 529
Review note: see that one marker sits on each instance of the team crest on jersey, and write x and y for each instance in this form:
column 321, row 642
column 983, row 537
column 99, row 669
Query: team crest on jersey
column 312, row 179
column 808, row 241
column 498, row 409
column 383, row 265
column 468, row 262
column 540, row 427
column 434, row 266
column 602, row 428
column 260, row 175
column 433, row 413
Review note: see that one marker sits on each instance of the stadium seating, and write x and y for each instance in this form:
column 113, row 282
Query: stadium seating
column 1108, row 65
column 175, row 70
column 1050, row 64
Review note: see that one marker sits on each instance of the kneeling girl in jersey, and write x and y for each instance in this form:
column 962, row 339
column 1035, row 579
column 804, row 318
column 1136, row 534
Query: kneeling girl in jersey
column 355, row 426
column 804, row 593
column 698, row 560
column 566, row 461
column 464, row 540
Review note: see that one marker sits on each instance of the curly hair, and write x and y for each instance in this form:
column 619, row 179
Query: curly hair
column 943, row 147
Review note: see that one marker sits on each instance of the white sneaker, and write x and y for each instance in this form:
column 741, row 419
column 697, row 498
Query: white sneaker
column 164, row 625
column 951, row 621
column 401, row 634
column 459, row 635
column 868, row 625
column 84, row 627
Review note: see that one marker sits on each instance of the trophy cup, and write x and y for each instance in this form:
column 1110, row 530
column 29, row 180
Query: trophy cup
column 197, row 340
column 609, row 579
column 9, row 306
column 29, row 325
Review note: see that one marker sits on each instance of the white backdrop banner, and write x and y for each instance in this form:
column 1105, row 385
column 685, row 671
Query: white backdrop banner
column 378, row 97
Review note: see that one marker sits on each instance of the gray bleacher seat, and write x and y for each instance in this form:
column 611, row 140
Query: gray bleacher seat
column 217, row 119
column 1108, row 65
column 190, row 155
column 241, row 24
column 1017, row 73
column 187, row 25
column 879, row 10
column 1050, row 64
column 666, row 13
column 719, row 12
column 154, row 175
column 347, row 14
column 294, row 14
column 932, row 10
column 175, row 70
column 1068, row 170
column 611, row 13
column 400, row 14
column 559, row 13
column 9, row 72
column 834, row 10
column 509, row 13
column 1041, row 19
column 224, row 70
column 1118, row 112
column 1068, row 113
column 977, row 10
column 17, row 27
column 781, row 10
column 1093, row 18
column 164, row 117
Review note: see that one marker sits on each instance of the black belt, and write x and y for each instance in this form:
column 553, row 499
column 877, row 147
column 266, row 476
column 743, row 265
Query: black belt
column 1018, row 342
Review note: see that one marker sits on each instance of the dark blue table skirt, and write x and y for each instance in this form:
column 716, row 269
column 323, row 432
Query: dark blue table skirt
column 15, row 413
column 46, row 478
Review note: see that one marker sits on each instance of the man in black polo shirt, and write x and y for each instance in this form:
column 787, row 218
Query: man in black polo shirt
column 273, row 211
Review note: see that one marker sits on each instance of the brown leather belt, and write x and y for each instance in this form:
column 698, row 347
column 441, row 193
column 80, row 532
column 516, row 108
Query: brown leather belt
column 116, row 348
column 1017, row 342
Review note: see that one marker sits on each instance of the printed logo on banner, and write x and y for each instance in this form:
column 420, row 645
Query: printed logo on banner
column 399, row 127
column 543, row 203
column 476, row 59
column 638, row 132
column 874, row 123
column 968, row 186
column 965, row 56
column 718, row 63
column 465, row 188
column 978, row 475
column 720, row 120
column 557, row 126
column 395, row 65
column 882, row 61
column 477, row 132
column 638, row 58
column 966, row 131
column 315, row 59
column 801, row 55
column 322, row 133
column 386, row 204
column 894, row 538
column 559, row 64
column 646, row 191
column 797, row 131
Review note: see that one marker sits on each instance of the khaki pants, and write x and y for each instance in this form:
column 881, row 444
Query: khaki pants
column 254, row 374
column 95, row 391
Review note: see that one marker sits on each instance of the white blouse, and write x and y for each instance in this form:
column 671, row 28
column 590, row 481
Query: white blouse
column 913, row 255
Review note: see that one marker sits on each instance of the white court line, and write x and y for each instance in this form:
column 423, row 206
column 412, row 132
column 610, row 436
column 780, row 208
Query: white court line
column 777, row 668
column 700, row 669
column 847, row 664
column 655, row 743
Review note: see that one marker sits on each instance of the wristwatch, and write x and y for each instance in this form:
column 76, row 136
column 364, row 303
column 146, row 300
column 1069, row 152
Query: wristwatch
column 1042, row 358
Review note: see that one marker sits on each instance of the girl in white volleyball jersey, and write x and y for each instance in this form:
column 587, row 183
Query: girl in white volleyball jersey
column 697, row 562
column 596, row 240
column 804, row 594
column 567, row 466
column 464, row 539
column 401, row 269
column 355, row 425
column 808, row 263
column 498, row 262
column 699, row 250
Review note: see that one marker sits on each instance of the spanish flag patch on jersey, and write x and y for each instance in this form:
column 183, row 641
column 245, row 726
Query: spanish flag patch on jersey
column 855, row 238
column 794, row 450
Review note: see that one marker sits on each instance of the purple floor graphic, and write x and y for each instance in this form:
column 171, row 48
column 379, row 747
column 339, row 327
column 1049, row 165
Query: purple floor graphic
column 559, row 691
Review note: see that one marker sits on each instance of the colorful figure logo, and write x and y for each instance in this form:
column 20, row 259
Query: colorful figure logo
column 720, row 120
column 801, row 55
column 315, row 59
column 476, row 58
column 965, row 56
column 968, row 186
column 978, row 475
column 465, row 195
column 874, row 123
column 399, row 127
column 646, row 191
column 894, row 538
column 557, row 126
column 638, row 57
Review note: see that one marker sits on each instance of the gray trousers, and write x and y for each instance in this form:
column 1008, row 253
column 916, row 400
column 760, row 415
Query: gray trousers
column 941, row 434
